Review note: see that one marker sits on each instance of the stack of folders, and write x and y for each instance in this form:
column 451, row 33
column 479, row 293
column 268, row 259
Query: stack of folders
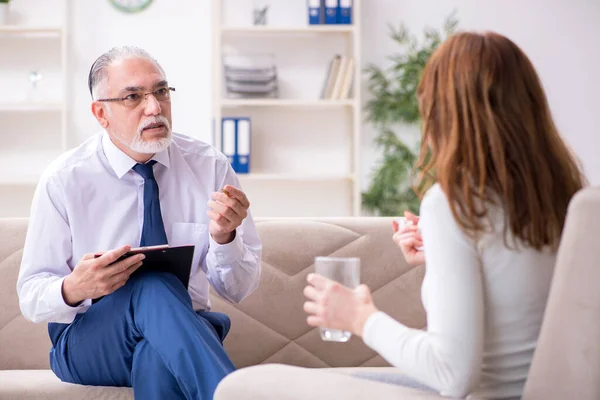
column 235, row 142
column 338, row 81
column 250, row 76
column 329, row 12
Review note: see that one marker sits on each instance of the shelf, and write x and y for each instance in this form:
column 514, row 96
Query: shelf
column 286, row 103
column 31, row 106
column 293, row 177
column 25, row 167
column 31, row 30
column 325, row 135
column 300, row 30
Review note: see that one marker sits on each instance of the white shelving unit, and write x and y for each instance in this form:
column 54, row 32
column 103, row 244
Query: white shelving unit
column 26, row 166
column 285, row 103
column 312, row 29
column 31, row 106
column 32, row 30
column 34, row 129
column 329, row 185
column 294, row 177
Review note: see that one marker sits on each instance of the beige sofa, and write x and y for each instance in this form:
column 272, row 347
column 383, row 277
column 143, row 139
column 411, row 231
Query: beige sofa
column 269, row 326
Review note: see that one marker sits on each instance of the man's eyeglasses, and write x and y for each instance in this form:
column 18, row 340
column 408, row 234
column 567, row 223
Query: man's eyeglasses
column 134, row 99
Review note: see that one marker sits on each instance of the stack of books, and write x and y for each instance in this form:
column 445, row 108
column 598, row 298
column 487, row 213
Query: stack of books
column 338, row 81
column 250, row 77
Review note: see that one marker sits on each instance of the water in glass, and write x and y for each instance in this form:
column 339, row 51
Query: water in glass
column 345, row 271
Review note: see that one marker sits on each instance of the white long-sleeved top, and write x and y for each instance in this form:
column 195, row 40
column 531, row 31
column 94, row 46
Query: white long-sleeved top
column 485, row 303
column 90, row 200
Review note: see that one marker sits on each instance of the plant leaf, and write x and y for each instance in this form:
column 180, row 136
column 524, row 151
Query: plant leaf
column 393, row 103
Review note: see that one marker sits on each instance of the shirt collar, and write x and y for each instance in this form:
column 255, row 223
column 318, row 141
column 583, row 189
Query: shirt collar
column 121, row 163
column 163, row 157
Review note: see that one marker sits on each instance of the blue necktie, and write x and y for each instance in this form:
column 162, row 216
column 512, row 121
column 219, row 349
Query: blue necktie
column 153, row 231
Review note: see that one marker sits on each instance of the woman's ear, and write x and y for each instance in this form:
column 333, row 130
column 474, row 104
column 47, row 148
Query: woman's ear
column 99, row 111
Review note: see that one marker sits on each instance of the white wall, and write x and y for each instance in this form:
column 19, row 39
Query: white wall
column 560, row 37
column 176, row 32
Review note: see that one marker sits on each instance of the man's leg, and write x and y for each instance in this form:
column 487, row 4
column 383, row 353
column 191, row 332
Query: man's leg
column 98, row 347
column 219, row 321
column 150, row 377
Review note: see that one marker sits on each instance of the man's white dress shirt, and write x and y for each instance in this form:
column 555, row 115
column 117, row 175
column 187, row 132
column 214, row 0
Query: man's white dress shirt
column 90, row 200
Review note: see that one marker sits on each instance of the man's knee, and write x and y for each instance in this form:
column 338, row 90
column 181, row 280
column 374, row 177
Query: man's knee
column 157, row 285
column 154, row 281
column 147, row 285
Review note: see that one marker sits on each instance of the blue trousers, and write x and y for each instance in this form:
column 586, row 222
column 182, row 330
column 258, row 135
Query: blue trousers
column 146, row 335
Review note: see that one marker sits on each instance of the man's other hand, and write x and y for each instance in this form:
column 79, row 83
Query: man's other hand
column 227, row 210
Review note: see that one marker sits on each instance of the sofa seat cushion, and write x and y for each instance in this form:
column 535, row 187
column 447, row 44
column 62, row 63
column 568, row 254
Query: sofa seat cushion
column 389, row 375
column 283, row 382
column 43, row 384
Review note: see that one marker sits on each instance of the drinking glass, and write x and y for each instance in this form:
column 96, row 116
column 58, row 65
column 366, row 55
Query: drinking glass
column 345, row 271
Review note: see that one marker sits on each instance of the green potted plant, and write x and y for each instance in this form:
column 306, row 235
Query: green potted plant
column 392, row 105
column 4, row 11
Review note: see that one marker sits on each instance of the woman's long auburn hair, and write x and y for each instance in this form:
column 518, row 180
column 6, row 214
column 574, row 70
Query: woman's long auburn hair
column 489, row 138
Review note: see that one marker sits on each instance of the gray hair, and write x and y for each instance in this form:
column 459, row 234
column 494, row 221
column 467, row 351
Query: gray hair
column 98, row 72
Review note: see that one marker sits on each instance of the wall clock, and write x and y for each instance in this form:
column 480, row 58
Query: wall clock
column 131, row 6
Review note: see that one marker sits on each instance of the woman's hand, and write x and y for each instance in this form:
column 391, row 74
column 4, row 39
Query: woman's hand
column 333, row 305
column 409, row 239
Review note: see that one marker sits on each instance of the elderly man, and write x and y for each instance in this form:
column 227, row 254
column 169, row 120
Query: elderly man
column 148, row 331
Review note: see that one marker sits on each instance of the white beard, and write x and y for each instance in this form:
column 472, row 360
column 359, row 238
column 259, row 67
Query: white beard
column 140, row 145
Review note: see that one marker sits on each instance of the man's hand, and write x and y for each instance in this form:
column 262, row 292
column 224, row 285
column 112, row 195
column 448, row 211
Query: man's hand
column 409, row 238
column 226, row 213
column 96, row 277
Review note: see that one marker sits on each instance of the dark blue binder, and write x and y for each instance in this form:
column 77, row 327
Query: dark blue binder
column 331, row 12
column 315, row 12
column 345, row 12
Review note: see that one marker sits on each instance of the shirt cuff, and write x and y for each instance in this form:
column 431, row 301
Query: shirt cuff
column 378, row 329
column 57, row 302
column 228, row 253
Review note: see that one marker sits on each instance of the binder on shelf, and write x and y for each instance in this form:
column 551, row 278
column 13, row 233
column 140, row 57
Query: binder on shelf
column 243, row 146
column 228, row 140
column 316, row 12
column 331, row 12
column 345, row 12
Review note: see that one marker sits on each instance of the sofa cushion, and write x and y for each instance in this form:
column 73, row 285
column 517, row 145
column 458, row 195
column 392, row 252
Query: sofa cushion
column 566, row 363
column 23, row 345
column 43, row 384
column 270, row 325
column 283, row 382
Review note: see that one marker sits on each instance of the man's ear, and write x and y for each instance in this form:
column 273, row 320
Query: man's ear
column 99, row 111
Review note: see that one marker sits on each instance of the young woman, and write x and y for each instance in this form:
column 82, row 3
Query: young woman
column 490, row 226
